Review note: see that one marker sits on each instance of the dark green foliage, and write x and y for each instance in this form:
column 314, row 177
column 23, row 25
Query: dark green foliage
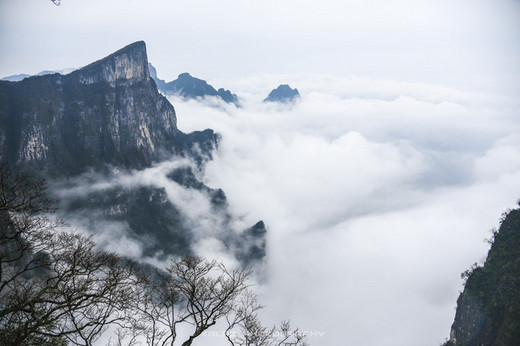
column 488, row 310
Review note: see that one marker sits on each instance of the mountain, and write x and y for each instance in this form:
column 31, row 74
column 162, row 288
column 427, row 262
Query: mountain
column 161, row 84
column 191, row 88
column 108, row 119
column 283, row 94
column 488, row 310
column 16, row 77
column 107, row 113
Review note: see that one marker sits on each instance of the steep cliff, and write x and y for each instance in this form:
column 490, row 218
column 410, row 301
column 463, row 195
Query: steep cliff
column 107, row 113
column 85, row 129
column 488, row 310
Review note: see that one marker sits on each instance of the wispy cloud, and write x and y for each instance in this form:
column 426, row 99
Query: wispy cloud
column 206, row 226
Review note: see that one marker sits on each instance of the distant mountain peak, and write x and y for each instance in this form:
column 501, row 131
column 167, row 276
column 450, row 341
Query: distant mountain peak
column 283, row 94
column 190, row 87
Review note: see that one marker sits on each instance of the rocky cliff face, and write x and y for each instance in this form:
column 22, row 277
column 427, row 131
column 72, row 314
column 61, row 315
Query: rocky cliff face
column 127, row 66
column 75, row 128
column 488, row 310
column 108, row 112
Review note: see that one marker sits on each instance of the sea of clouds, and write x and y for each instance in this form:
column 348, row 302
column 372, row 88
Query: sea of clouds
column 376, row 194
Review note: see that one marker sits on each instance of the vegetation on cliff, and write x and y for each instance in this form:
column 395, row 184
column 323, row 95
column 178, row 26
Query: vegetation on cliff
column 488, row 310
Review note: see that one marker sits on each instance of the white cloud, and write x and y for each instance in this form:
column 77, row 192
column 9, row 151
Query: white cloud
column 376, row 195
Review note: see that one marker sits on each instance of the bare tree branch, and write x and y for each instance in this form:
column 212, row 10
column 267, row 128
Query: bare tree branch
column 56, row 288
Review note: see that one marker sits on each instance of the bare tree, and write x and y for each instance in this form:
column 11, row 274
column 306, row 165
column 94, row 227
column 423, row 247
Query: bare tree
column 191, row 292
column 53, row 285
column 57, row 288
column 198, row 293
column 251, row 332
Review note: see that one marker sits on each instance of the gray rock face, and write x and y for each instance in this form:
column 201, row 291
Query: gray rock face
column 128, row 65
column 108, row 112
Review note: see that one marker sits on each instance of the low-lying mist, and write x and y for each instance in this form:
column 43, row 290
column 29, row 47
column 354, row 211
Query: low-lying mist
column 102, row 205
column 376, row 195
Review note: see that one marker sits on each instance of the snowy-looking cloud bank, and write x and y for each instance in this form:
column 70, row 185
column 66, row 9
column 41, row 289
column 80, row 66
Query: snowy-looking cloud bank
column 377, row 195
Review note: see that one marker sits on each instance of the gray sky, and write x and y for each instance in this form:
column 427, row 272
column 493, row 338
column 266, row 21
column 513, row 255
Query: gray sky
column 379, row 186
column 465, row 42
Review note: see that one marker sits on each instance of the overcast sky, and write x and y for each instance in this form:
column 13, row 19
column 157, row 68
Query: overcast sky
column 468, row 42
column 378, row 186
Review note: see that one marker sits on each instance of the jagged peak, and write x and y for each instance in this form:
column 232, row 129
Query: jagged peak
column 129, row 63
column 283, row 93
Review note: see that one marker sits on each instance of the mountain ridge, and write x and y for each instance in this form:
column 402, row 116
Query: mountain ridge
column 109, row 117
column 283, row 94
column 189, row 87
column 108, row 112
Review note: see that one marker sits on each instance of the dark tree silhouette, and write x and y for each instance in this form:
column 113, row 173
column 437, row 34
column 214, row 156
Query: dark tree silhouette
column 195, row 294
column 53, row 284
column 57, row 288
